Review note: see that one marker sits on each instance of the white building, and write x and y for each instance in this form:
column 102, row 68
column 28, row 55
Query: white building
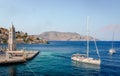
column 12, row 39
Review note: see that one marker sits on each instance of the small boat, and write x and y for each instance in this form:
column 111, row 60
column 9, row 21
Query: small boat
column 112, row 50
column 84, row 58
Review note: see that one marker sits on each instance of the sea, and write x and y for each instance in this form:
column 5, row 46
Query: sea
column 54, row 59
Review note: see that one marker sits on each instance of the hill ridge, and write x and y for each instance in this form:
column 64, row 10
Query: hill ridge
column 63, row 36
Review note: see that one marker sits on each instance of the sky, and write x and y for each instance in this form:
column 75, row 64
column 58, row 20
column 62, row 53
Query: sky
column 38, row 16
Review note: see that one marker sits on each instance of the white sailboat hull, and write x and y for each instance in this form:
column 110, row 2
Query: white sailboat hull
column 86, row 60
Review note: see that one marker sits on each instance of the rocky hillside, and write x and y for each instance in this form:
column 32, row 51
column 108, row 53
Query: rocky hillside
column 3, row 35
column 21, row 37
column 63, row 36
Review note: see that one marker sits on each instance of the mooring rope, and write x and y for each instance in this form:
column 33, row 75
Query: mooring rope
column 31, row 70
column 96, row 48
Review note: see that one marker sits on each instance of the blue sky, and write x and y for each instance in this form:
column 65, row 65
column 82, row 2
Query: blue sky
column 37, row 16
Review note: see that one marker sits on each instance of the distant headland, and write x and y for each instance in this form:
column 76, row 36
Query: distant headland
column 64, row 36
column 21, row 37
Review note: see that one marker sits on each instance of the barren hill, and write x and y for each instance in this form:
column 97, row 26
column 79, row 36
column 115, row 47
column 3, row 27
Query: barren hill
column 63, row 36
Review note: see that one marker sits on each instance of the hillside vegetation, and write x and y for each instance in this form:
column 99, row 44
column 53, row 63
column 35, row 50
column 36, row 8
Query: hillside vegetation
column 21, row 37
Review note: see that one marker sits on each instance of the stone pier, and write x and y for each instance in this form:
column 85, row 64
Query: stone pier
column 18, row 59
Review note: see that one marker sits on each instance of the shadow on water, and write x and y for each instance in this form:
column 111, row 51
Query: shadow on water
column 8, row 71
column 12, row 71
column 84, row 65
column 86, row 69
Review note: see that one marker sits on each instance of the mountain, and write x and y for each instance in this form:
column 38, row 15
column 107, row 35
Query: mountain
column 21, row 37
column 63, row 36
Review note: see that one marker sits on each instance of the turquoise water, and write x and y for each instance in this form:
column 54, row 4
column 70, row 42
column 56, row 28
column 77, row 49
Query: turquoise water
column 54, row 59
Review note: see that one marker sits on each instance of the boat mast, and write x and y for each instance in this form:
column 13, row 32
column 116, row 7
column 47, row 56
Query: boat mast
column 112, row 40
column 87, row 37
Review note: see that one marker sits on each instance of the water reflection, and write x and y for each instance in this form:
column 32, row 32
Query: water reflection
column 84, row 65
column 86, row 69
column 12, row 71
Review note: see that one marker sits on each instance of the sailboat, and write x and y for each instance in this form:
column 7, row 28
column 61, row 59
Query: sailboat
column 84, row 58
column 112, row 50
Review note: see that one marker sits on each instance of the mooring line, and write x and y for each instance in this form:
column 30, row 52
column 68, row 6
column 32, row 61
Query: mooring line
column 31, row 70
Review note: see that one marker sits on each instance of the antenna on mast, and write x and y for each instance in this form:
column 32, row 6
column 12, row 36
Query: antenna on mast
column 87, row 37
column 112, row 40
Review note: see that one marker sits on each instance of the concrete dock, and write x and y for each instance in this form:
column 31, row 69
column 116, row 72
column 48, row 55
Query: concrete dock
column 18, row 59
column 31, row 54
